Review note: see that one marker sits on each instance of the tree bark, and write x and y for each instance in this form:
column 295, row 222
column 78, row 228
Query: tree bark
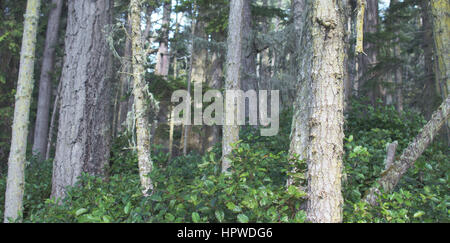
column 140, row 101
column 163, row 59
column 391, row 176
column 441, row 32
column 52, row 122
column 233, row 75
column 214, row 81
column 430, row 95
column 249, row 79
column 317, row 129
column 369, row 60
column 16, row 164
column 198, row 80
column 45, row 83
column 84, row 132
column 186, row 127
column 125, row 82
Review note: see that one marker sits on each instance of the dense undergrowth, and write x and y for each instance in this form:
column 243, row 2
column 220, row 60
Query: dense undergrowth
column 192, row 189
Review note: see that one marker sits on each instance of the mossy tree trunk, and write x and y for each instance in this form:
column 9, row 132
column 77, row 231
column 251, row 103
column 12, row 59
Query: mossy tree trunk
column 16, row 163
column 317, row 129
column 141, row 100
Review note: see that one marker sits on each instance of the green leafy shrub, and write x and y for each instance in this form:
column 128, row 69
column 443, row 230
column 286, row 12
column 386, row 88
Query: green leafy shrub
column 422, row 194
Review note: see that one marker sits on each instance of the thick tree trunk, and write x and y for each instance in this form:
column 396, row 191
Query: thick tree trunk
column 84, row 134
column 317, row 129
column 45, row 83
column 392, row 175
column 140, row 101
column 233, row 75
column 16, row 164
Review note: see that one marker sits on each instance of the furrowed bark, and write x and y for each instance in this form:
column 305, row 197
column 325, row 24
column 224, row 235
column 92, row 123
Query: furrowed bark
column 84, row 128
column 16, row 164
column 140, row 100
column 317, row 129
column 45, row 83
column 390, row 177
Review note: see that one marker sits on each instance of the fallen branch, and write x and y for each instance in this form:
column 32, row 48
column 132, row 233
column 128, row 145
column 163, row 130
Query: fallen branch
column 392, row 175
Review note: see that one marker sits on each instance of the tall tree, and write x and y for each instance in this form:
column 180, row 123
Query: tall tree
column 317, row 129
column 140, row 100
column 398, row 75
column 430, row 95
column 441, row 17
column 162, row 58
column 441, row 32
column 84, row 134
column 43, row 111
column 249, row 80
column 16, row 164
column 233, row 75
column 198, row 76
column 125, row 83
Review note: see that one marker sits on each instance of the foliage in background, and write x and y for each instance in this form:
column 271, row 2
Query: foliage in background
column 422, row 194
column 192, row 189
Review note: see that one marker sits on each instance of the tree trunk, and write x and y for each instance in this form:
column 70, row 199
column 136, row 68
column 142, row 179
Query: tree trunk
column 215, row 80
column 249, row 80
column 199, row 58
column 430, row 95
column 45, row 83
column 187, row 127
column 317, row 129
column 84, row 133
column 162, row 58
column 233, row 75
column 441, row 32
column 125, row 82
column 391, row 176
column 441, row 17
column 16, row 164
column 140, row 100
column 52, row 123
column 368, row 61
